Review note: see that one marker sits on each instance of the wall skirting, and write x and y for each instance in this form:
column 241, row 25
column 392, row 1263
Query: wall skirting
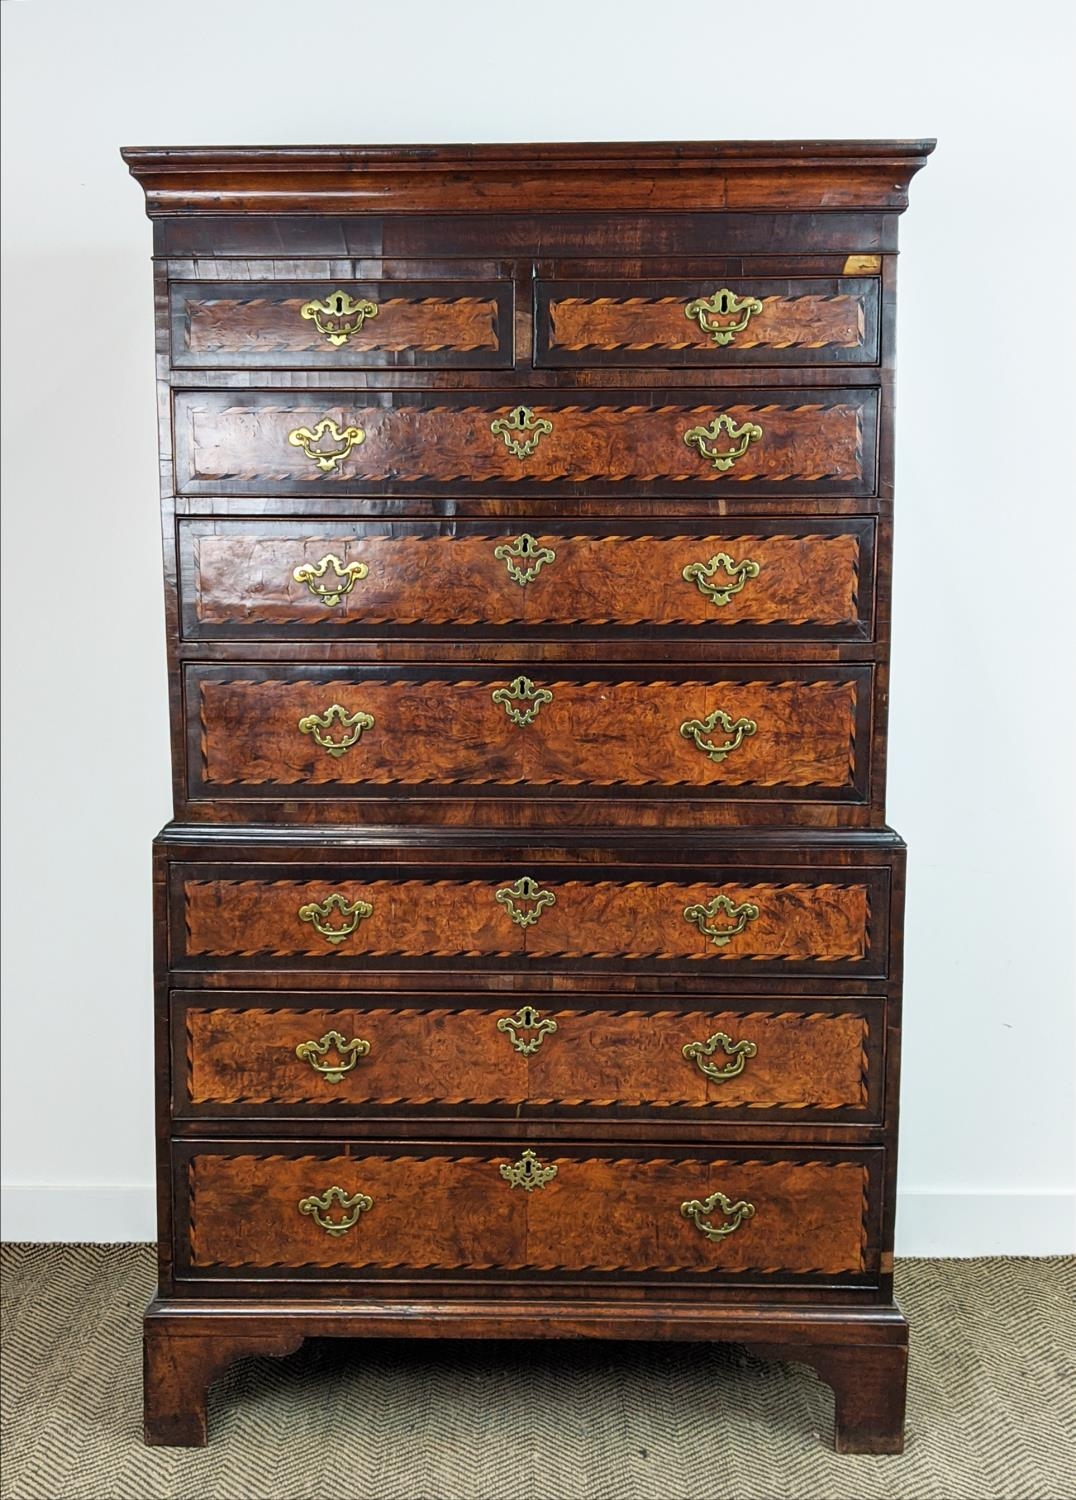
column 931, row 1221
column 90, row 1214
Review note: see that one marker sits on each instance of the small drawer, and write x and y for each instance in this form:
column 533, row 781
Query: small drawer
column 334, row 324
column 813, row 922
column 797, row 733
column 261, row 1056
column 580, row 1213
column 317, row 445
column 711, row 322
column 808, row 578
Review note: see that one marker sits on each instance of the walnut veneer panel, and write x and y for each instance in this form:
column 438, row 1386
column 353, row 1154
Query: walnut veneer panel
column 260, row 324
column 601, row 1213
column 237, row 442
column 610, row 732
column 811, row 577
column 798, row 923
column 796, row 1059
column 604, row 323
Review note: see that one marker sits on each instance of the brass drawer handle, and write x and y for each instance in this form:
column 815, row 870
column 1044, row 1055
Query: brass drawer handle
column 698, row 729
column 350, row 913
column 723, row 304
column 702, row 574
column 524, row 549
column 521, row 690
column 319, row 725
column 527, row 1019
column 339, row 316
column 326, row 458
column 697, row 1052
column 351, row 1207
column 528, row 1173
column 703, row 917
column 528, row 890
column 743, row 436
column 331, row 593
column 696, row 1210
column 348, row 1054
column 521, row 419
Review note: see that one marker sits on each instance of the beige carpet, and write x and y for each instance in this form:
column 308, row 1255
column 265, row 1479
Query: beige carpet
column 992, row 1410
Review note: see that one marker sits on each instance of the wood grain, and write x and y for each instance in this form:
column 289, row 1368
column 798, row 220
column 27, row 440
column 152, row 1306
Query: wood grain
column 239, row 441
column 645, row 322
column 601, row 733
column 797, row 922
column 601, row 1214
column 217, row 325
column 243, row 579
column 804, row 1060
column 480, row 181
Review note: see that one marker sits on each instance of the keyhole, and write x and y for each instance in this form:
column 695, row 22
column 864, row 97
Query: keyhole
column 339, row 305
column 724, row 302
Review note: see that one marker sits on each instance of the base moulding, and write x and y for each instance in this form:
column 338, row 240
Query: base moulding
column 861, row 1353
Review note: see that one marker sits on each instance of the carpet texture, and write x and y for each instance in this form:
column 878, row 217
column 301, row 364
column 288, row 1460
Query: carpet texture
column 992, row 1405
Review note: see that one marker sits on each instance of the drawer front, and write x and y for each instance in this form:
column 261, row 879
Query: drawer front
column 256, row 579
column 813, row 922
column 316, row 445
column 573, row 1212
column 712, row 323
column 341, row 324
column 332, row 732
column 258, row 1057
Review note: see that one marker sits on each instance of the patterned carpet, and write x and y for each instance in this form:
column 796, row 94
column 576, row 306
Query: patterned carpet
column 992, row 1409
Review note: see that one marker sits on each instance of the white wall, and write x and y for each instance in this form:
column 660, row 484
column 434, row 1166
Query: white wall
column 982, row 712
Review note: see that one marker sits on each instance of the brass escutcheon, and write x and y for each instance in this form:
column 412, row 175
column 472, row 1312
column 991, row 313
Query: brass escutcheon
column 326, row 459
column 743, row 436
column 521, row 690
column 339, row 316
column 697, row 729
column 697, row 1052
column 524, row 549
column 520, row 419
column 723, row 304
column 351, row 1207
column 528, row 1173
column 332, row 593
column 525, row 889
column 702, row 575
column 351, row 913
column 703, row 918
column 332, row 1041
column 696, row 1210
column 527, row 1019
column 319, row 726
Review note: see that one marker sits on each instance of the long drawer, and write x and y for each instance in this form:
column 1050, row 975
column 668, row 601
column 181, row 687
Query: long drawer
column 808, row 921
column 315, row 445
column 335, row 1210
column 789, row 733
column 244, row 1056
column 798, row 578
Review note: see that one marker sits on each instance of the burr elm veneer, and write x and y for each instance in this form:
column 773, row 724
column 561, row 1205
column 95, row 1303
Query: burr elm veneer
column 528, row 937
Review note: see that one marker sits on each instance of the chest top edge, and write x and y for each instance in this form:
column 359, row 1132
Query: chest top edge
column 738, row 176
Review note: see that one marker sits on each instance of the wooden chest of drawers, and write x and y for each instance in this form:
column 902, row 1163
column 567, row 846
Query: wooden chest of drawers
column 528, row 935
